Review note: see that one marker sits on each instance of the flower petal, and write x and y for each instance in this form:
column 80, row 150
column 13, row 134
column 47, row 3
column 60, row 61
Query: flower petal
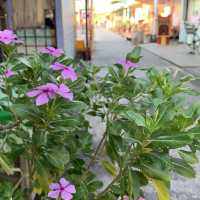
column 52, row 86
column 33, row 93
column 49, row 87
column 69, row 73
column 57, row 52
column 8, row 73
column 65, row 92
column 51, row 95
column 54, row 186
column 42, row 99
column 66, row 196
column 64, row 182
column 71, row 189
column 54, row 194
column 65, row 74
column 57, row 66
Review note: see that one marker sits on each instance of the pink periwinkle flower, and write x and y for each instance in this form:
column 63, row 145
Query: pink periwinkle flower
column 63, row 189
column 8, row 73
column 52, row 51
column 127, row 64
column 7, row 36
column 49, row 91
column 67, row 72
column 125, row 197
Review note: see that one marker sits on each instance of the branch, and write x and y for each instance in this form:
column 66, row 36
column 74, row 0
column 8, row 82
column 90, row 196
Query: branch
column 9, row 126
column 110, row 185
column 121, row 171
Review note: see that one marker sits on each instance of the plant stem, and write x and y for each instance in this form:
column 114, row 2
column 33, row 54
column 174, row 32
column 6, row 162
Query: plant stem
column 94, row 157
column 110, row 185
column 96, row 151
column 121, row 171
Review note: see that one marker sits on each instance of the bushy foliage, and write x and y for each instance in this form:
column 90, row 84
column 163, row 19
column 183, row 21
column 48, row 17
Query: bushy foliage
column 45, row 132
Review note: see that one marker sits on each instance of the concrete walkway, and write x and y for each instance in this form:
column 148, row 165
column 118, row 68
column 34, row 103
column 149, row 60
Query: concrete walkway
column 177, row 54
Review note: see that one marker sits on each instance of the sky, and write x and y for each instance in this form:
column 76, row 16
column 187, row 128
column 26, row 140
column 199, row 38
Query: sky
column 102, row 5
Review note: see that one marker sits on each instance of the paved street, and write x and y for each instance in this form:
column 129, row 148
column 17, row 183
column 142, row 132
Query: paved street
column 108, row 49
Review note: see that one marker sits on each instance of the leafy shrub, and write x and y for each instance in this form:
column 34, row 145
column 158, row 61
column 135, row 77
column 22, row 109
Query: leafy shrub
column 45, row 132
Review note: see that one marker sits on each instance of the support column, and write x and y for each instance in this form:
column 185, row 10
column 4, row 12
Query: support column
column 184, row 10
column 65, row 26
column 155, row 19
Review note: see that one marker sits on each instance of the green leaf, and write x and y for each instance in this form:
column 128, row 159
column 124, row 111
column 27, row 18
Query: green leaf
column 42, row 177
column 25, row 61
column 58, row 157
column 67, row 122
column 109, row 167
column 5, row 116
column 162, row 189
column 5, row 166
column 138, row 180
column 189, row 157
column 133, row 116
column 155, row 172
column 134, row 55
column 172, row 140
column 75, row 106
column 182, row 168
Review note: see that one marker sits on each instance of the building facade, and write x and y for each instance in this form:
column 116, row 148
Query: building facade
column 40, row 23
column 190, row 13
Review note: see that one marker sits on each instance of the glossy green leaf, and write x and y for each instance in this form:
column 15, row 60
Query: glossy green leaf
column 134, row 55
column 182, row 168
column 155, row 173
column 5, row 166
column 162, row 189
column 109, row 167
column 172, row 140
column 58, row 157
column 189, row 157
column 133, row 116
column 5, row 116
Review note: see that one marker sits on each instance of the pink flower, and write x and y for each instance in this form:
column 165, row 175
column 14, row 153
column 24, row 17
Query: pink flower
column 49, row 91
column 127, row 64
column 67, row 72
column 63, row 188
column 141, row 198
column 52, row 51
column 125, row 197
column 7, row 36
column 65, row 92
column 8, row 73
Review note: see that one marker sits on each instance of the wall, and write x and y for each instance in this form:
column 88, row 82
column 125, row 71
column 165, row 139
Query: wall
column 30, row 13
